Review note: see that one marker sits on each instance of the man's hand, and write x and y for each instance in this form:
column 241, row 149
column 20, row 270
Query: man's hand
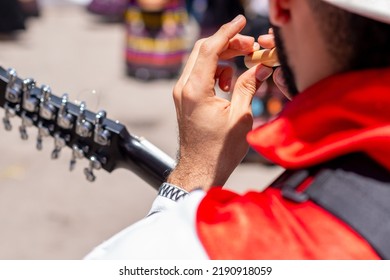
column 268, row 42
column 213, row 130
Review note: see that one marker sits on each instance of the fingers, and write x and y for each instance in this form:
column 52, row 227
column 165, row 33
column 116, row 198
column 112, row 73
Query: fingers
column 189, row 64
column 246, row 87
column 177, row 91
column 224, row 74
column 205, row 55
column 240, row 45
column 209, row 53
column 266, row 41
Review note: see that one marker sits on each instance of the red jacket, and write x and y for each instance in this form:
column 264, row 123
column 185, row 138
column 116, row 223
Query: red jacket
column 340, row 115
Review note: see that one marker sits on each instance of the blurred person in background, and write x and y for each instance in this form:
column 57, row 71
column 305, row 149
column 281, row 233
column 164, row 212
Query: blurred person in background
column 333, row 139
column 213, row 13
column 110, row 10
column 30, row 8
column 13, row 14
column 155, row 38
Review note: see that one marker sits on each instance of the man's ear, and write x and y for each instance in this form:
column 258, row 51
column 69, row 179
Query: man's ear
column 279, row 11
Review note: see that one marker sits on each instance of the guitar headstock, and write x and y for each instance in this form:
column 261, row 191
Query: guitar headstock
column 105, row 143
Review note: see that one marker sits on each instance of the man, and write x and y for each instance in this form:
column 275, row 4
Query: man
column 335, row 60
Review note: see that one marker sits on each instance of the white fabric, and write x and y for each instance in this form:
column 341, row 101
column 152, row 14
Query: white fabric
column 168, row 232
column 375, row 9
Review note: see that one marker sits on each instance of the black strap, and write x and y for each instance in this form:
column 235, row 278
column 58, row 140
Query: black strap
column 355, row 189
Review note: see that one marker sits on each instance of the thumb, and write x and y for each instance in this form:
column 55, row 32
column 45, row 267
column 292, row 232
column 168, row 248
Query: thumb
column 281, row 83
column 246, row 87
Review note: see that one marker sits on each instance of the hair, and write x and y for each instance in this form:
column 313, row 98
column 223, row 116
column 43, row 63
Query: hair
column 365, row 42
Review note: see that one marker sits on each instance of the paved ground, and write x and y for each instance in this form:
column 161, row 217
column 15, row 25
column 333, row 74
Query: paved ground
column 46, row 212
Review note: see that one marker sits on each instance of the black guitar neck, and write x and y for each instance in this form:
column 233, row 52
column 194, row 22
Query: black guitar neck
column 105, row 143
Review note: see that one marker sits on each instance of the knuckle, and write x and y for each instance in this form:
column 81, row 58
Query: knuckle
column 225, row 32
column 176, row 92
column 205, row 48
column 187, row 92
column 224, row 28
column 199, row 42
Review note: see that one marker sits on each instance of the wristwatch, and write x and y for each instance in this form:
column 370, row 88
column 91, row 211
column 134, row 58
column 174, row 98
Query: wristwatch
column 171, row 191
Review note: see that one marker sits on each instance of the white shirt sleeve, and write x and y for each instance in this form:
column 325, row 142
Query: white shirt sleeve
column 168, row 232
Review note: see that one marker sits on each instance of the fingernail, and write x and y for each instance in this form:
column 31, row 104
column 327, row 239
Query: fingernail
column 263, row 73
column 237, row 19
column 279, row 78
column 227, row 85
column 256, row 46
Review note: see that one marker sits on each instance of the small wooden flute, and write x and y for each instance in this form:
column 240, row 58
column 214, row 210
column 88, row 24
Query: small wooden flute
column 267, row 57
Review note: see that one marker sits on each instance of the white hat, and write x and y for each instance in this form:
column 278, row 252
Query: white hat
column 375, row 9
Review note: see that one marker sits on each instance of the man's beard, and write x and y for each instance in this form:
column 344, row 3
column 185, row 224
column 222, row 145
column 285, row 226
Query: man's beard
column 286, row 69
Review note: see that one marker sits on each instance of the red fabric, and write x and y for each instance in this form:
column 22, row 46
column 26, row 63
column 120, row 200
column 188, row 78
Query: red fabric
column 266, row 226
column 339, row 115
column 342, row 114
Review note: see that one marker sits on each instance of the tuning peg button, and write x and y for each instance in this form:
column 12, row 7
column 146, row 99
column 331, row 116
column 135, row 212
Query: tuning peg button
column 59, row 143
column 94, row 164
column 42, row 132
column 9, row 113
column 77, row 153
column 23, row 132
column 7, row 124
column 26, row 122
column 89, row 174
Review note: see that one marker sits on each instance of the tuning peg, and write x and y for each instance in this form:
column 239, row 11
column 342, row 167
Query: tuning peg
column 9, row 113
column 59, row 143
column 46, row 110
column 12, row 92
column 83, row 127
column 11, row 76
column 29, row 103
column 64, row 119
column 101, row 135
column 27, row 86
column 94, row 163
column 77, row 153
column 42, row 132
column 12, row 98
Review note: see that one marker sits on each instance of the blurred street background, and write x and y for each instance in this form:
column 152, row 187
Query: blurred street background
column 46, row 211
